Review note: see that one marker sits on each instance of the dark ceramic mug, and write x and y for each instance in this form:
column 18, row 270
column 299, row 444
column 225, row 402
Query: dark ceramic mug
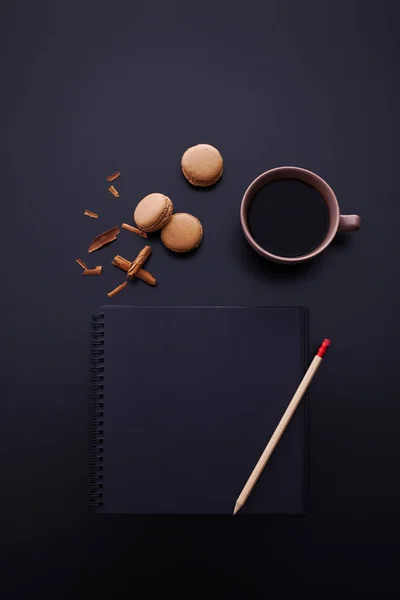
column 337, row 222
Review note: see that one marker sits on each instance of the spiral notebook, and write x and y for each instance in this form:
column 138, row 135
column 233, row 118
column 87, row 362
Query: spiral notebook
column 184, row 400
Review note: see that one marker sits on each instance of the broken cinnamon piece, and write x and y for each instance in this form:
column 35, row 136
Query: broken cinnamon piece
column 122, row 263
column 113, row 176
column 89, row 213
column 117, row 289
column 81, row 263
column 113, row 191
column 139, row 261
column 103, row 239
column 96, row 271
column 134, row 230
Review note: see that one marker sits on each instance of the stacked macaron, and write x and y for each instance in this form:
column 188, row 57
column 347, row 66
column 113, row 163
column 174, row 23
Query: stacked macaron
column 153, row 212
column 182, row 233
column 202, row 165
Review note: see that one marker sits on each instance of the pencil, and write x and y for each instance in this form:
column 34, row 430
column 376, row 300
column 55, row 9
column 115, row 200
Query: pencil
column 283, row 423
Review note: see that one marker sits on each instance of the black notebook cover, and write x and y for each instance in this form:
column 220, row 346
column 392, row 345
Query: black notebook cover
column 184, row 400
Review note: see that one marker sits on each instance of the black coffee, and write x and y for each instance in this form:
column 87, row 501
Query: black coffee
column 288, row 217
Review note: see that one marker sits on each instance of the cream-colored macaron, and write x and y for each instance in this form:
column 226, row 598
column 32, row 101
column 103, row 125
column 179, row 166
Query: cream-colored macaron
column 182, row 233
column 153, row 212
column 202, row 165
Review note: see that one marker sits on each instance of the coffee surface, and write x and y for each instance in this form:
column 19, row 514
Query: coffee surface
column 288, row 217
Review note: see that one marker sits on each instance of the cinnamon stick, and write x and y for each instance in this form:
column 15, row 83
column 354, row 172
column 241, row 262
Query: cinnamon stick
column 134, row 230
column 146, row 277
column 96, row 271
column 122, row 263
column 139, row 261
column 117, row 289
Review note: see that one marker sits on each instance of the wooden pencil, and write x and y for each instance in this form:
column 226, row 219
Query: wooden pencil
column 283, row 423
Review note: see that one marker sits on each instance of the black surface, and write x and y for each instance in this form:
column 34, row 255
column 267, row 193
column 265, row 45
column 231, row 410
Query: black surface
column 213, row 384
column 92, row 87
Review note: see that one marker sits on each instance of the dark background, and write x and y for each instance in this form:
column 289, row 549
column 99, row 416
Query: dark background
column 92, row 87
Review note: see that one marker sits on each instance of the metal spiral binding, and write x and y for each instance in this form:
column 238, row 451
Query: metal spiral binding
column 96, row 410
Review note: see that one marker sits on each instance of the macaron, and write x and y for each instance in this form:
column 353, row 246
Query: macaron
column 202, row 165
column 153, row 212
column 182, row 233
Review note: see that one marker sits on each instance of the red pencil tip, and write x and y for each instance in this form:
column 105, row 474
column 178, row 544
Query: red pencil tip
column 323, row 347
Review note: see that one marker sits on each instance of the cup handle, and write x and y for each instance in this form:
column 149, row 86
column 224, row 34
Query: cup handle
column 349, row 223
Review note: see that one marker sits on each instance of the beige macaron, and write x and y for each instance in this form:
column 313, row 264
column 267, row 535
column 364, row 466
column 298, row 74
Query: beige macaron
column 202, row 165
column 182, row 233
column 153, row 212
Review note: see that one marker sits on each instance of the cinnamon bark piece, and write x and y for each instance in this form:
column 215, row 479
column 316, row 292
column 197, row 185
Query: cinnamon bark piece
column 113, row 176
column 117, row 289
column 134, row 230
column 104, row 238
column 96, row 271
column 89, row 213
column 81, row 263
column 113, row 191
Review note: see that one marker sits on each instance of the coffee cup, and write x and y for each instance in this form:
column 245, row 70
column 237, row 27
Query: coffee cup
column 335, row 221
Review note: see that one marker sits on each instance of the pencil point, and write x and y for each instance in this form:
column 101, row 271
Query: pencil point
column 238, row 506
